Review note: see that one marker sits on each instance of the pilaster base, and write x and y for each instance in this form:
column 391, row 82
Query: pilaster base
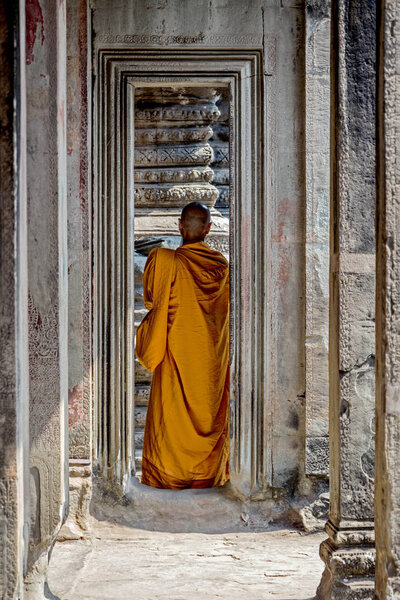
column 80, row 491
column 349, row 556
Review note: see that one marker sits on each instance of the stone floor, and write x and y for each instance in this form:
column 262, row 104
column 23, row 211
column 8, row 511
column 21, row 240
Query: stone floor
column 127, row 562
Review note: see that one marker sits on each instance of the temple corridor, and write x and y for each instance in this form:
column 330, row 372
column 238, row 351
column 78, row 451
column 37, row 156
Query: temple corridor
column 282, row 117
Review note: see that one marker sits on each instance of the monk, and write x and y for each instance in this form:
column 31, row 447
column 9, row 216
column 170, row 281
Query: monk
column 185, row 343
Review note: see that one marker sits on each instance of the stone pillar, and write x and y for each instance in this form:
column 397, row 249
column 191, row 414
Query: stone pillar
column 79, row 269
column 317, row 237
column 348, row 553
column 14, row 389
column 47, row 280
column 387, row 488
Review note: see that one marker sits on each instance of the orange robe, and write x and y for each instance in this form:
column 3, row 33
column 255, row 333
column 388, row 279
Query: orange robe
column 186, row 440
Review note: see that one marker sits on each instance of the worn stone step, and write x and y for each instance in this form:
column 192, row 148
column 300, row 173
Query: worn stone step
column 142, row 394
column 140, row 416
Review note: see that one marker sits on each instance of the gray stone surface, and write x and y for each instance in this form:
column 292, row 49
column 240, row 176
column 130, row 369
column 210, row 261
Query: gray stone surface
column 317, row 69
column 349, row 551
column 80, row 411
column 47, row 282
column 79, row 232
column 14, row 397
column 179, row 566
column 387, row 489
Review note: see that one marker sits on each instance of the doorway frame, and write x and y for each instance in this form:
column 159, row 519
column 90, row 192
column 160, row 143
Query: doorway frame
column 252, row 166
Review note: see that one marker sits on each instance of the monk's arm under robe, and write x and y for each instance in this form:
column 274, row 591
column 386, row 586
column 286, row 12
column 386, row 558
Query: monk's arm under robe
column 151, row 337
column 148, row 279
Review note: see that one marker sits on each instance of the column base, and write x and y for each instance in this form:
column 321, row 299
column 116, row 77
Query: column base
column 80, row 491
column 349, row 556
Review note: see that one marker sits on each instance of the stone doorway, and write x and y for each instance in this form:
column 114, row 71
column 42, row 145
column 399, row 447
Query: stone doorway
column 160, row 136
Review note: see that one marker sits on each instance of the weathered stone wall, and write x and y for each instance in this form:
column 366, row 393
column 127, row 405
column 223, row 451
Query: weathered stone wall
column 47, row 280
column 14, row 398
column 277, row 29
column 33, row 492
column 349, row 552
column 317, row 236
column 387, row 488
column 79, row 265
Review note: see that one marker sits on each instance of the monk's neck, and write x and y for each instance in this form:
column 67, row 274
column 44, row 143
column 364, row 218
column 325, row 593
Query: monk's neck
column 192, row 241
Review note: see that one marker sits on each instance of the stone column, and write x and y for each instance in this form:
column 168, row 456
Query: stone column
column 14, row 396
column 387, row 488
column 317, row 237
column 348, row 553
column 79, row 269
column 47, row 280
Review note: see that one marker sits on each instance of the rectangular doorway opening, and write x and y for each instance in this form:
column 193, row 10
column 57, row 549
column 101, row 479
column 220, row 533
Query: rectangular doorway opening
column 181, row 154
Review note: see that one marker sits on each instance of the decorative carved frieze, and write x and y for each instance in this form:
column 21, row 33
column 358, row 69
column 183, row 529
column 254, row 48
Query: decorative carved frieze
column 165, row 135
column 174, row 175
column 176, row 195
column 203, row 112
column 221, row 155
column 198, row 154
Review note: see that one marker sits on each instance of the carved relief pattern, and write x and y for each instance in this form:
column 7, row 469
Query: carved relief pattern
column 206, row 111
column 8, row 533
column 177, row 175
column 176, row 142
column 44, row 412
column 173, row 155
column 175, row 195
column 172, row 136
column 220, row 146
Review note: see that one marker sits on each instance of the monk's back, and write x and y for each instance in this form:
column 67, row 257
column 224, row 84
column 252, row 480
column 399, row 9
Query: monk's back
column 198, row 305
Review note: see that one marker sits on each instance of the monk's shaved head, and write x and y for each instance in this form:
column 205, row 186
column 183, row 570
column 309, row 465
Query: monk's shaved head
column 195, row 221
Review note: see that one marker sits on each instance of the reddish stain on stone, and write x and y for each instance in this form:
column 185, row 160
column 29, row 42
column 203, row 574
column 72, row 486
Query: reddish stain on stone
column 284, row 271
column 75, row 411
column 34, row 17
column 285, row 217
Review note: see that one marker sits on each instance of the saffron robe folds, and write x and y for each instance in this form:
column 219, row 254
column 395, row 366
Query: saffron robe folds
column 186, row 441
